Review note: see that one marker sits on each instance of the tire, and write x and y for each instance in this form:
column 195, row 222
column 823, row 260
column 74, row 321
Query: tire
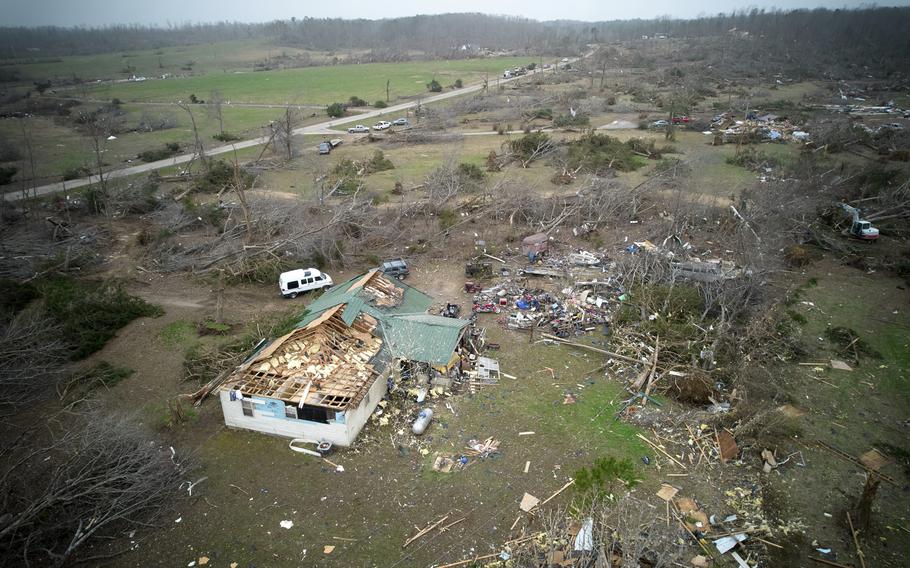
column 325, row 288
column 400, row 277
column 292, row 295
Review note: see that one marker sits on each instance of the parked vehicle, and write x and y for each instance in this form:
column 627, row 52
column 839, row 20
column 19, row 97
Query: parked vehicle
column 681, row 120
column 660, row 124
column 400, row 122
column 325, row 148
column 395, row 267
column 359, row 129
column 296, row 282
column 382, row 125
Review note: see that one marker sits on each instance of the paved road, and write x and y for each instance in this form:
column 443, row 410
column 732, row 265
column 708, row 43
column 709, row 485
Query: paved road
column 320, row 128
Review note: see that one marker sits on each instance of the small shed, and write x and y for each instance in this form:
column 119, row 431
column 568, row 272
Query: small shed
column 536, row 244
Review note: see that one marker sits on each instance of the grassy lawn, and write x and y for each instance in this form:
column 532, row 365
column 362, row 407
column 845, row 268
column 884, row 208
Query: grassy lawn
column 388, row 486
column 312, row 85
column 217, row 57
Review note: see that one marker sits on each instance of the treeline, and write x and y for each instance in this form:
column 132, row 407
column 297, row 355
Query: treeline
column 866, row 36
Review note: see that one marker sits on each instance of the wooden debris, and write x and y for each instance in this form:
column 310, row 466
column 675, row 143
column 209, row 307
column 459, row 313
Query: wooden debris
column 844, row 455
column 528, row 502
column 424, row 531
column 840, row 365
column 874, row 459
column 560, row 490
column 667, row 492
column 661, row 450
column 726, row 446
column 859, row 551
column 828, row 562
column 327, row 549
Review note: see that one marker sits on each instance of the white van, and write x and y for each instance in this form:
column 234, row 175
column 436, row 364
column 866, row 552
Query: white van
column 298, row 281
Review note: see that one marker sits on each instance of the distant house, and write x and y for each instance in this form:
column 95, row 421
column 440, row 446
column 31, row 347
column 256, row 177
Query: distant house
column 322, row 381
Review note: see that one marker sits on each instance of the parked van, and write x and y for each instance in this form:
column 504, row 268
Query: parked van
column 298, row 281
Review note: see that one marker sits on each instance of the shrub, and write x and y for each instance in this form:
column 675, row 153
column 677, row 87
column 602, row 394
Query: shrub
column 378, row 163
column 447, row 219
column 92, row 312
column 595, row 482
column 222, row 174
column 470, row 171
column 7, row 173
column 434, row 86
column 76, row 173
column 544, row 113
column 567, row 120
column 598, row 152
column 357, row 102
column 225, row 137
column 169, row 149
column 527, row 145
column 335, row 110
column 14, row 296
column 380, row 104
column 458, row 83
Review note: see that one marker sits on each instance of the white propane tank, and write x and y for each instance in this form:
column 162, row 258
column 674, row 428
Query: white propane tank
column 423, row 420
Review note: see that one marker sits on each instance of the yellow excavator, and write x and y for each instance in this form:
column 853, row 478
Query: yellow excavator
column 859, row 228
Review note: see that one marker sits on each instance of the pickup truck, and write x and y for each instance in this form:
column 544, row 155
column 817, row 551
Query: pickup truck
column 359, row 129
column 382, row 125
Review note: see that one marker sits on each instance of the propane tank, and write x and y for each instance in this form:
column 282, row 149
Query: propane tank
column 423, row 420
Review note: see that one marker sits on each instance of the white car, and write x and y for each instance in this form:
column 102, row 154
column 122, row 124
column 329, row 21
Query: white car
column 359, row 129
column 382, row 125
column 296, row 282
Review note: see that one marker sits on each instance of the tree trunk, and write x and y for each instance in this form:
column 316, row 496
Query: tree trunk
column 864, row 508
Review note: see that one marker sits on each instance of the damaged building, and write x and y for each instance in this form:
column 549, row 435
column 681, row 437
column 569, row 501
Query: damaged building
column 322, row 381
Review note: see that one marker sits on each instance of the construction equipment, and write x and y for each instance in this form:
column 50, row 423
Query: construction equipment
column 860, row 228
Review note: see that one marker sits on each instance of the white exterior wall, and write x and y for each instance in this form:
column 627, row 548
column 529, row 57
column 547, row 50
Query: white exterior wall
column 338, row 433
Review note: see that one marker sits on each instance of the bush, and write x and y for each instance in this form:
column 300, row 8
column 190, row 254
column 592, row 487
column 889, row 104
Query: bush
column 527, row 145
column 225, row 137
column 380, row 104
column 567, row 120
column 7, row 173
column 447, row 219
column 596, row 153
column 544, row 113
column 335, row 110
column 434, row 86
column 169, row 149
column 378, row 163
column 470, row 171
column 92, row 312
column 345, row 173
column 597, row 481
column 76, row 173
column 221, row 174
column 357, row 102
column 458, row 84
column 14, row 296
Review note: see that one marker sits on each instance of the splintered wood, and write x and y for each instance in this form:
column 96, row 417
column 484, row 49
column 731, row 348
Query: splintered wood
column 323, row 364
column 383, row 292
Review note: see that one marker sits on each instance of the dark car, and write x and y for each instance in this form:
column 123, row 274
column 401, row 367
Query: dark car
column 325, row 148
column 396, row 267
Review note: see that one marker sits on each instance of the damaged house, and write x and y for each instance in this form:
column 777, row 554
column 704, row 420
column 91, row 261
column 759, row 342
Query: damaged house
column 322, row 381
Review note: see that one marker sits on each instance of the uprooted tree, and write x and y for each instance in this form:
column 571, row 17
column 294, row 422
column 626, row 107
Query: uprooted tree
column 85, row 484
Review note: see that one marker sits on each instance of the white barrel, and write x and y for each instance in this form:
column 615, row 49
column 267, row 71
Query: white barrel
column 423, row 420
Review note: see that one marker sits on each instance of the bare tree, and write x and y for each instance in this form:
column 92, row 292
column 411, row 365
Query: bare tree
column 215, row 109
column 27, row 141
column 283, row 130
column 33, row 358
column 199, row 148
column 98, row 476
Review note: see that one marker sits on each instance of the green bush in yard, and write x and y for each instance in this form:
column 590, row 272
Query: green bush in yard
column 92, row 312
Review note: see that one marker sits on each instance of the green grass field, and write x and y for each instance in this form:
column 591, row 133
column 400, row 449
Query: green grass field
column 312, row 85
column 218, row 57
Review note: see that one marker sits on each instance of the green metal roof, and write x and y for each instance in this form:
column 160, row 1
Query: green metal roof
column 422, row 337
column 413, row 302
column 408, row 331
